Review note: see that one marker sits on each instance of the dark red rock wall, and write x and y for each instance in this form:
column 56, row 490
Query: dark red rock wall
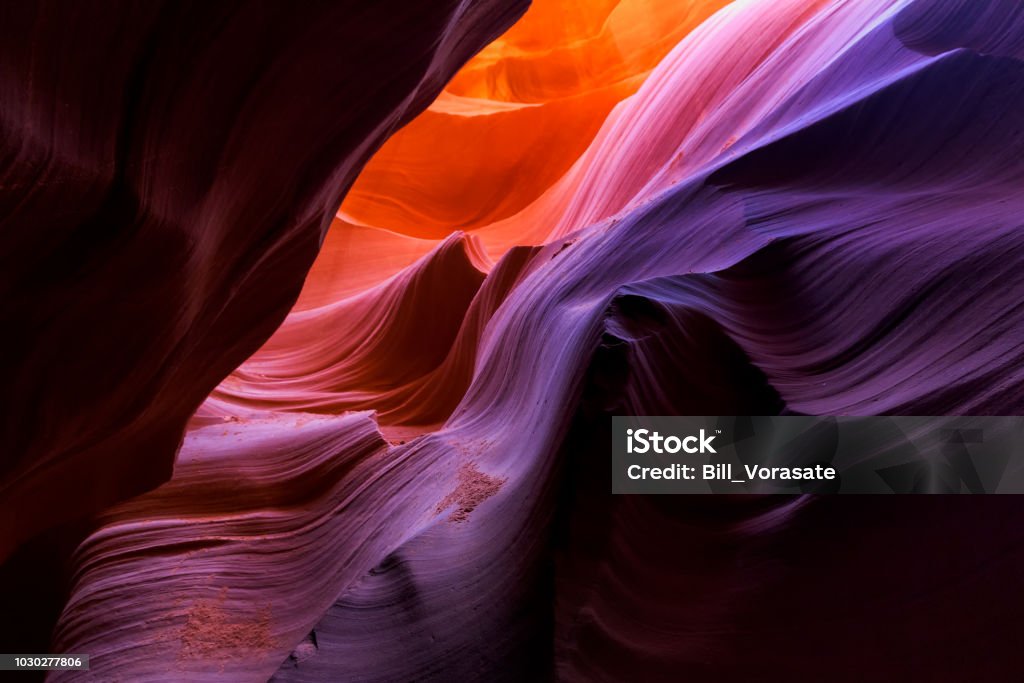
column 168, row 170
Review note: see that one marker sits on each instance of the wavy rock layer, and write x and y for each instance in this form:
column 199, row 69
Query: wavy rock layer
column 168, row 172
column 805, row 207
column 516, row 117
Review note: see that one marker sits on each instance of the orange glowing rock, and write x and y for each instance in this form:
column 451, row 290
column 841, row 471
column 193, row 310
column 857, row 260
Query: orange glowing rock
column 517, row 115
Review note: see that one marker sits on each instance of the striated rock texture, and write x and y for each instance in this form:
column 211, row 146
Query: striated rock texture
column 167, row 173
column 618, row 207
column 169, row 170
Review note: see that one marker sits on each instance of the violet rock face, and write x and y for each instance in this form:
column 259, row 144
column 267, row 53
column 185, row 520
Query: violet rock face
column 402, row 474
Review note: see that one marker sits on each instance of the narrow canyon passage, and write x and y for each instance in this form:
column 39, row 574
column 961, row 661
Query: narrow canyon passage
column 366, row 345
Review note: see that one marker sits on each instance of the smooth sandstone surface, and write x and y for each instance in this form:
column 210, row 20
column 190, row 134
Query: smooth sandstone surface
column 647, row 208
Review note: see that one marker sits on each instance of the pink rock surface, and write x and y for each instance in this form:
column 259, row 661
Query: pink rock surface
column 806, row 207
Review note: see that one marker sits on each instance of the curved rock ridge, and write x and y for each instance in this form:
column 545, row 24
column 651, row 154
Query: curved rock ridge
column 803, row 207
column 409, row 372
column 517, row 115
column 345, row 355
column 142, row 220
column 181, row 565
